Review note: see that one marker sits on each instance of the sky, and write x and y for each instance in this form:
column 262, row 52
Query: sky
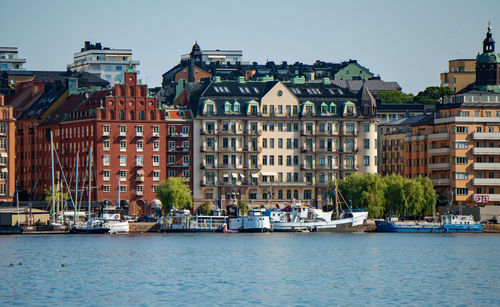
column 409, row 42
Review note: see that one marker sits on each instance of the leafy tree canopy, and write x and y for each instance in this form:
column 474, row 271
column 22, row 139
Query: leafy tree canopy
column 396, row 97
column 174, row 192
column 432, row 94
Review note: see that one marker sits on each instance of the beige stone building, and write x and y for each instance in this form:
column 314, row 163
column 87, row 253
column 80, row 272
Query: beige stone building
column 271, row 143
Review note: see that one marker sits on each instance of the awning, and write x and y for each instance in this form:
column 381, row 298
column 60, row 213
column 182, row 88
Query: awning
column 3, row 154
column 4, row 170
column 234, row 175
column 268, row 174
column 140, row 172
column 225, row 175
column 156, row 204
column 255, row 175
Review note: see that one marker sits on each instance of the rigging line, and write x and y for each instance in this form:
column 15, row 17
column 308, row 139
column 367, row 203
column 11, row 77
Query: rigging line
column 65, row 181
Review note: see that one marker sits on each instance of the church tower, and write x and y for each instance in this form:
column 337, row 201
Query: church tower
column 488, row 64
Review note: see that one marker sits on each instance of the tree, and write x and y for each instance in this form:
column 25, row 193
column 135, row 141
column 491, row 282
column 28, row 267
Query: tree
column 243, row 207
column 364, row 191
column 396, row 97
column 58, row 194
column 432, row 94
column 174, row 192
column 394, row 196
column 205, row 208
column 429, row 196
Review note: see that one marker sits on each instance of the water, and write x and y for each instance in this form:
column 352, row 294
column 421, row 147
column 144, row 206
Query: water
column 297, row 269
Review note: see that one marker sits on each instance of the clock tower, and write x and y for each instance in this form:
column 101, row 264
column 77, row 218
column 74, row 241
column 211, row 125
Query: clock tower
column 488, row 63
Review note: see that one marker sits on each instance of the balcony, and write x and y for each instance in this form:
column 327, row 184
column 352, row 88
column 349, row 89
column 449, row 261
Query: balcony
column 139, row 134
column 493, row 197
column 441, row 182
column 439, row 166
column 204, row 148
column 139, row 193
column 252, row 148
column 485, row 151
column 350, row 133
column 204, row 131
column 139, row 164
column 252, row 132
column 351, row 150
column 439, row 151
column 139, row 178
column 156, row 134
column 486, row 166
column 494, row 136
column 486, row 181
column 123, row 134
column 105, row 133
column 306, row 132
column 439, row 136
column 307, row 149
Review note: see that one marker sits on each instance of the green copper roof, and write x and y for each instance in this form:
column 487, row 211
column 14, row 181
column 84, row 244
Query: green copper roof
column 492, row 57
column 489, row 88
column 130, row 68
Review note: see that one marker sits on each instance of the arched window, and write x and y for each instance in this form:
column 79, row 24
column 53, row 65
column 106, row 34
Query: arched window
column 111, row 114
column 4, row 115
column 141, row 115
column 152, row 115
column 103, row 114
column 132, row 115
column 121, row 115
column 131, row 91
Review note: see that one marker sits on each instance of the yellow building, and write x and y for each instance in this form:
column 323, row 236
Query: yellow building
column 461, row 72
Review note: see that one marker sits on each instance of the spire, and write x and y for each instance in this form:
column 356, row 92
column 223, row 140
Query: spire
column 488, row 43
column 130, row 67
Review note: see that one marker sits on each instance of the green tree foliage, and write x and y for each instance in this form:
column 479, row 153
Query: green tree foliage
column 48, row 195
column 205, row 208
column 394, row 97
column 391, row 195
column 243, row 207
column 174, row 192
column 432, row 94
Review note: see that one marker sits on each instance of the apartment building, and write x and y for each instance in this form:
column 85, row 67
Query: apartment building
column 10, row 60
column 7, row 152
column 461, row 72
column 458, row 147
column 107, row 63
column 271, row 143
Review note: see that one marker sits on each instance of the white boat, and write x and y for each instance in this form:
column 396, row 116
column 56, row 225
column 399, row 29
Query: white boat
column 256, row 221
column 305, row 218
column 111, row 218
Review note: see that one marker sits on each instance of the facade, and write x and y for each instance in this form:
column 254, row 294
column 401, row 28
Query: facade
column 7, row 152
column 109, row 64
column 458, row 146
column 10, row 60
column 271, row 143
column 214, row 56
column 461, row 72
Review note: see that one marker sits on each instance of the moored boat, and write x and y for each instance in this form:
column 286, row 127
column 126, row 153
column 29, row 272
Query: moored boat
column 448, row 223
column 256, row 221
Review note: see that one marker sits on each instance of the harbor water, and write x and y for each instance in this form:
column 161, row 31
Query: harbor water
column 271, row 269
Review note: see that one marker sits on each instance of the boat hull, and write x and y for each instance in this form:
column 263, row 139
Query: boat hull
column 250, row 224
column 89, row 230
column 117, row 227
column 383, row 226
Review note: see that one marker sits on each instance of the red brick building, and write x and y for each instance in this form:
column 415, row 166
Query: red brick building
column 135, row 143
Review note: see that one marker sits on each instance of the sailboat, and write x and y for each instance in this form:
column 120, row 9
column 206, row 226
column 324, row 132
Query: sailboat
column 301, row 217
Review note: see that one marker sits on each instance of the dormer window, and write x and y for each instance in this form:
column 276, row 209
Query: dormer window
column 333, row 108
column 210, row 109
column 227, row 107
column 236, row 107
column 309, row 110
column 324, row 109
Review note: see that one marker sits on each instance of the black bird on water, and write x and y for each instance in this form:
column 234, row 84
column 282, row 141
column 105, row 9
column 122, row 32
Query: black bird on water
column 20, row 263
column 11, row 264
column 63, row 265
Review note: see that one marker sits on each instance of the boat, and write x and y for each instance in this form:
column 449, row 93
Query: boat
column 256, row 221
column 305, row 218
column 447, row 223
column 93, row 226
column 300, row 217
column 111, row 217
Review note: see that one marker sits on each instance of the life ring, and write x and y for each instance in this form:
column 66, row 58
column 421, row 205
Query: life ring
column 117, row 216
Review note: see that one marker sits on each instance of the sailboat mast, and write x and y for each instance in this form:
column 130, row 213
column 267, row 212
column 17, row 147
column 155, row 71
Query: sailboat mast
column 336, row 198
column 90, row 177
column 52, row 166
column 76, row 186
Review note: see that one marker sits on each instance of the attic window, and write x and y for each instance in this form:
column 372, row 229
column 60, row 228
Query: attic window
column 241, row 90
column 256, row 90
column 236, row 107
column 216, row 89
column 227, row 107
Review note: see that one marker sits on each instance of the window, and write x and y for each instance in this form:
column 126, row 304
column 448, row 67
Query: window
column 123, row 188
column 156, row 131
column 307, row 194
column 264, row 143
column 105, row 175
column 366, row 160
column 171, row 173
column 156, row 160
column 105, row 130
column 461, row 144
column 123, row 160
column 185, row 130
column 271, row 160
column 156, row 175
column 139, row 190
column 139, row 160
column 460, row 160
column 366, row 143
column 171, row 145
column 123, row 145
column 105, row 160
column 156, row 145
column 123, row 130
column 139, row 146
column 185, row 160
column 105, row 145
column 106, row 188
column 366, row 127
column 138, row 130
column 461, row 191
column 280, row 143
column 461, row 129
column 461, row 176
column 123, row 175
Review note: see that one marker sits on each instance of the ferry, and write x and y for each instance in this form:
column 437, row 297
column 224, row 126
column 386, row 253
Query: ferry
column 448, row 223
column 256, row 221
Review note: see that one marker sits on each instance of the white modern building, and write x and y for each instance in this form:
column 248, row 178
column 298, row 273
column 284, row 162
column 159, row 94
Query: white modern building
column 107, row 63
column 9, row 59
column 212, row 56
